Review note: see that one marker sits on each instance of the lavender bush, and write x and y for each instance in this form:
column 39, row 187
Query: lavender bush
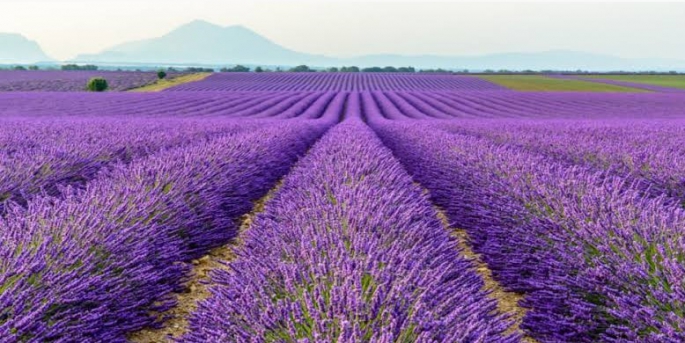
column 43, row 155
column 646, row 151
column 93, row 265
column 349, row 250
column 595, row 259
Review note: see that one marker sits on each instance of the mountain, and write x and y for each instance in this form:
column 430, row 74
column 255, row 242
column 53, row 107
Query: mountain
column 204, row 43
column 15, row 48
column 201, row 42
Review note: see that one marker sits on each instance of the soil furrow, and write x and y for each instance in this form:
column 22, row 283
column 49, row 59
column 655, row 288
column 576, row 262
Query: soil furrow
column 199, row 282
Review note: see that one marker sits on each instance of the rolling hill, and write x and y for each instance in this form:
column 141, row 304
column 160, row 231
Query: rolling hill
column 15, row 48
column 201, row 42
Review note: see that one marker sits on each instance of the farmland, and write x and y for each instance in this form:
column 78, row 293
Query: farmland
column 72, row 81
column 676, row 81
column 342, row 207
column 544, row 83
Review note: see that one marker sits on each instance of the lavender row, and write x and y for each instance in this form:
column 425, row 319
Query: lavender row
column 501, row 105
column 193, row 104
column 348, row 250
column 126, row 104
column 498, row 105
column 595, row 260
column 43, row 155
column 430, row 105
column 651, row 152
column 276, row 82
column 93, row 266
column 71, row 81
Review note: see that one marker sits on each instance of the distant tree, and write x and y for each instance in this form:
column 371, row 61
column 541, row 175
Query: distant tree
column 97, row 84
column 79, row 67
column 436, row 71
column 332, row 70
column 241, row 69
column 258, row 70
column 199, row 70
column 389, row 69
column 406, row 70
column 161, row 74
column 351, row 69
column 301, row 69
column 34, row 68
column 235, row 69
column 19, row 68
column 372, row 70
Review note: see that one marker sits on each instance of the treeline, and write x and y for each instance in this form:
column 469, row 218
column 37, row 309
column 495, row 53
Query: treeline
column 87, row 67
column 243, row 69
column 347, row 69
column 63, row 67
column 23, row 68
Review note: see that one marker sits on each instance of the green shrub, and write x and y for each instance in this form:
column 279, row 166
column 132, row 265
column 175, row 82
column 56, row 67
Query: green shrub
column 97, row 84
column 161, row 74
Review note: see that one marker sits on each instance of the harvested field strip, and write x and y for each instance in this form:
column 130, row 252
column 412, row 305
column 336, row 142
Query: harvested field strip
column 164, row 84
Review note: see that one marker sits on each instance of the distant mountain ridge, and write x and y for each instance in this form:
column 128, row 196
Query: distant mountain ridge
column 15, row 48
column 203, row 43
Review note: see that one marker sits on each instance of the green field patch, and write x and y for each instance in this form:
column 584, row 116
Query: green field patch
column 675, row 81
column 539, row 83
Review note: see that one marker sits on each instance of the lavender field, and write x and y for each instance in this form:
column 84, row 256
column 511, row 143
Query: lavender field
column 70, row 81
column 340, row 207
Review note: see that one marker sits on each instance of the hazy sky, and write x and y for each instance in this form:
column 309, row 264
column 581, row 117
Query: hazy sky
column 336, row 28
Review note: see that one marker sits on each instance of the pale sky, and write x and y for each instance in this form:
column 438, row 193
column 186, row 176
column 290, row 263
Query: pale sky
column 336, row 28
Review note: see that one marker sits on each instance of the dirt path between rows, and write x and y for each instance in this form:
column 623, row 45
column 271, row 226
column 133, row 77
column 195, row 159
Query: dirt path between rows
column 507, row 302
column 197, row 287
